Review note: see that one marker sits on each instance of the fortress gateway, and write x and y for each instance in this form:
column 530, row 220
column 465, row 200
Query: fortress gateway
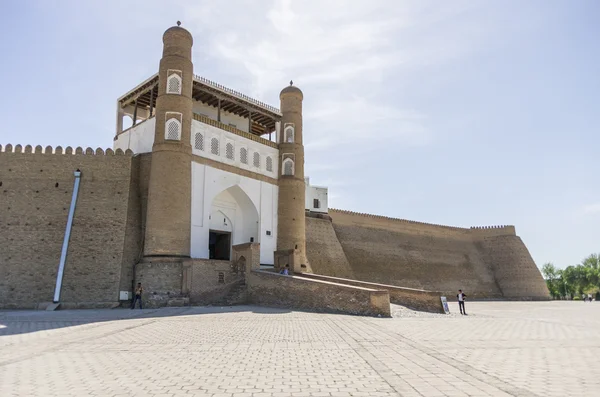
column 204, row 190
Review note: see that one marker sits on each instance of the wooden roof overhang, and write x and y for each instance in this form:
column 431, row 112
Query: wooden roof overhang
column 263, row 116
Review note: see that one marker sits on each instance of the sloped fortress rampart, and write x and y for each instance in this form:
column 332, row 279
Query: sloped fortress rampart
column 489, row 262
column 204, row 200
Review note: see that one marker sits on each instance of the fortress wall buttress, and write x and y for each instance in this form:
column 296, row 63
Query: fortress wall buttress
column 515, row 272
column 35, row 196
column 413, row 254
column 324, row 251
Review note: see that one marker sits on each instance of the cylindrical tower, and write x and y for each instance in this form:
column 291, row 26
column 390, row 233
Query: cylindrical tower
column 291, row 228
column 169, row 192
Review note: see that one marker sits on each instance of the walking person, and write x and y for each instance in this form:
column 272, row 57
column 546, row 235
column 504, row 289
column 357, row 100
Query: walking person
column 461, row 302
column 138, row 296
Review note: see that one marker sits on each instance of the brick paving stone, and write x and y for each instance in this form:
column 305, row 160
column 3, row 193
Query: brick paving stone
column 529, row 349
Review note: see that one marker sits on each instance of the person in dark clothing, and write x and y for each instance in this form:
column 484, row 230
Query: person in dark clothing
column 138, row 296
column 461, row 301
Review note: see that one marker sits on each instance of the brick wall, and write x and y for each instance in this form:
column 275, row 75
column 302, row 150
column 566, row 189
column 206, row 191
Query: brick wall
column 438, row 263
column 35, row 197
column 514, row 269
column 417, row 299
column 486, row 262
column 324, row 251
column 161, row 280
column 202, row 280
column 272, row 289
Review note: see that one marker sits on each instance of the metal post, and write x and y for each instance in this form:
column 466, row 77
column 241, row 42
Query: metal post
column 65, row 246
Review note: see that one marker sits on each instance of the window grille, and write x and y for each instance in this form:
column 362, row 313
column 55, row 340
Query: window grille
column 256, row 160
column 269, row 164
column 244, row 155
column 316, row 203
column 288, row 167
column 199, row 141
column 229, row 151
column 289, row 135
column 173, row 130
column 174, row 84
column 214, row 146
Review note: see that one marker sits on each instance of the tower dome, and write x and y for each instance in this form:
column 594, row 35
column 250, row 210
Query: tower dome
column 291, row 89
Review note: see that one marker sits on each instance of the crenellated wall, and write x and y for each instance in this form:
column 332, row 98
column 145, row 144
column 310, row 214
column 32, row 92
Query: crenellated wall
column 488, row 262
column 36, row 186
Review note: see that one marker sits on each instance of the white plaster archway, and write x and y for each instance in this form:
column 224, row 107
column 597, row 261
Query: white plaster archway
column 233, row 214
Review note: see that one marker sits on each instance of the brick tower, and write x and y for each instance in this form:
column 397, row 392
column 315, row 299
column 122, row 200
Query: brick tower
column 169, row 193
column 291, row 227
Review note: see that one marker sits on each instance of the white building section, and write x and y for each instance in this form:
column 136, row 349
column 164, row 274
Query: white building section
column 228, row 148
column 138, row 138
column 230, row 209
column 315, row 197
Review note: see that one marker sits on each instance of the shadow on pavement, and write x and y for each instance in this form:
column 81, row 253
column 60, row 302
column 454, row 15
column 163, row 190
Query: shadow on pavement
column 26, row 321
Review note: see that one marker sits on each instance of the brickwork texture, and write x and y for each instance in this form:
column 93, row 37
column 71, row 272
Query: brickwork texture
column 484, row 262
column 35, row 198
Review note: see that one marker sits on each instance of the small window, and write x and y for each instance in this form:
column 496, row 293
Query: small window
column 269, row 164
column 229, row 151
column 174, row 84
column 214, row 146
column 316, row 203
column 173, row 130
column 288, row 167
column 199, row 141
column 289, row 133
column 244, row 155
column 221, row 278
column 256, row 161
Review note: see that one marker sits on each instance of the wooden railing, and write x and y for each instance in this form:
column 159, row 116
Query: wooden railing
column 233, row 130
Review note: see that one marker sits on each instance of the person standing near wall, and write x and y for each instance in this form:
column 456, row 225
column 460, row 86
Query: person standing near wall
column 138, row 296
column 461, row 302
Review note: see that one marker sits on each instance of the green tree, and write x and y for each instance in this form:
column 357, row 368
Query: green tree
column 553, row 279
column 575, row 278
column 591, row 265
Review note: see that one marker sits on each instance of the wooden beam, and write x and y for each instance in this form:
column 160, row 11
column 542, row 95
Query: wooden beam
column 219, row 109
column 135, row 113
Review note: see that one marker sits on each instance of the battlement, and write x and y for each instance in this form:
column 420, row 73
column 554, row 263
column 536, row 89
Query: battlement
column 28, row 149
column 399, row 220
column 498, row 230
column 384, row 221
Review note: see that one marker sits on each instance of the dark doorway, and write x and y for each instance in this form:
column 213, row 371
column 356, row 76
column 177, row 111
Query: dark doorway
column 219, row 245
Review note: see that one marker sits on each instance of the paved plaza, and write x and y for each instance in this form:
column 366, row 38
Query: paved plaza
column 501, row 349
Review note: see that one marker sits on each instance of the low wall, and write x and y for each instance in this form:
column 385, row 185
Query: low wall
column 161, row 280
column 208, row 281
column 417, row 299
column 272, row 289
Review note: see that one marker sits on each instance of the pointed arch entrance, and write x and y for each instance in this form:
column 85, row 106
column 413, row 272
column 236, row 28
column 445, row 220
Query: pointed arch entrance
column 233, row 220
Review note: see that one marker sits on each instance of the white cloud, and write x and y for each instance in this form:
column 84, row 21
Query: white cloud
column 592, row 208
column 345, row 55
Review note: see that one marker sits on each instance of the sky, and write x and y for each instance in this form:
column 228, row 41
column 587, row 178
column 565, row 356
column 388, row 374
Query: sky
column 464, row 113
